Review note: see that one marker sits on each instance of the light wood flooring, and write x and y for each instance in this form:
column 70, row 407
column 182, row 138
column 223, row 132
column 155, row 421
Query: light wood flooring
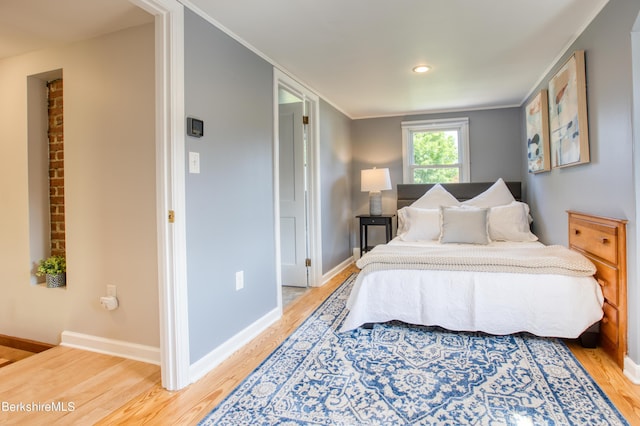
column 9, row 355
column 14, row 349
column 107, row 390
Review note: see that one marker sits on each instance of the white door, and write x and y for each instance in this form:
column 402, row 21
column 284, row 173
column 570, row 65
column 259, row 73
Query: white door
column 293, row 189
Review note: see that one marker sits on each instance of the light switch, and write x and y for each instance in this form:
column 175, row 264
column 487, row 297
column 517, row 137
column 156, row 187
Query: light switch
column 194, row 162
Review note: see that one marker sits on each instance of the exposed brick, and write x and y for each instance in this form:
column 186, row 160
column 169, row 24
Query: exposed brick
column 56, row 166
column 53, row 174
column 56, row 182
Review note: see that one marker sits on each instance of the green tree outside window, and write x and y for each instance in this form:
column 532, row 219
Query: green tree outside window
column 432, row 153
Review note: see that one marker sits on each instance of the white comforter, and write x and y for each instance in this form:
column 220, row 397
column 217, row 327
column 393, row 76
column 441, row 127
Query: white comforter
column 492, row 302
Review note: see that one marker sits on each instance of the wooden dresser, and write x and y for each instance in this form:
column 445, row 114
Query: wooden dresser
column 604, row 241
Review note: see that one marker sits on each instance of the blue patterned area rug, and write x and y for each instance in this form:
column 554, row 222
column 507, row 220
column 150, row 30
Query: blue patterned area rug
column 395, row 374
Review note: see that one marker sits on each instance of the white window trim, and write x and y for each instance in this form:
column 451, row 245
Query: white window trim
column 460, row 124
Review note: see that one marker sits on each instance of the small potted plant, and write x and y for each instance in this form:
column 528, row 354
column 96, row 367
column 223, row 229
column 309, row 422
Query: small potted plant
column 54, row 269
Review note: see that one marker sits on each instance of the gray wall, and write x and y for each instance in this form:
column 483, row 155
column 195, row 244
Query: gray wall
column 335, row 173
column 230, row 222
column 604, row 186
column 230, row 219
column 495, row 144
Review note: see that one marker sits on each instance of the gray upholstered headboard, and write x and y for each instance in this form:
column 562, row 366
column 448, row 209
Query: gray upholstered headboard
column 408, row 193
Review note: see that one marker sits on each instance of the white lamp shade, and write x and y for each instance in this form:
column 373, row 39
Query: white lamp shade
column 375, row 180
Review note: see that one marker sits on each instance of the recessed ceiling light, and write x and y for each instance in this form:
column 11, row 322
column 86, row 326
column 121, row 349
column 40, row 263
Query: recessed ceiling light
column 421, row 68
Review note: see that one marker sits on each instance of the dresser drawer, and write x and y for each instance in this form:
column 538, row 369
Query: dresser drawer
column 374, row 220
column 609, row 324
column 608, row 279
column 599, row 240
column 604, row 241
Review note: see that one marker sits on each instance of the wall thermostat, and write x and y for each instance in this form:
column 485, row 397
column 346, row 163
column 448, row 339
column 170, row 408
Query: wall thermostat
column 195, row 127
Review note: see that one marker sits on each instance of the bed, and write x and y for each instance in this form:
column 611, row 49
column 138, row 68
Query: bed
column 465, row 259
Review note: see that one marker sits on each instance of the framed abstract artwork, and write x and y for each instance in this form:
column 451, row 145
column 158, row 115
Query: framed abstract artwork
column 568, row 124
column 537, row 114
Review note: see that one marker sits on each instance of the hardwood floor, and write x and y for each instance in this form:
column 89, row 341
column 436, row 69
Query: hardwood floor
column 604, row 370
column 107, row 390
column 10, row 355
column 14, row 349
column 79, row 387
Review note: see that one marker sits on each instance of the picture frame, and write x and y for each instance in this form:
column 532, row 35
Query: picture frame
column 568, row 122
column 537, row 118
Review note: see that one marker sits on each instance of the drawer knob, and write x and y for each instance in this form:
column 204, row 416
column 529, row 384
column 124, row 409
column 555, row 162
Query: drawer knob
column 576, row 231
column 605, row 320
column 602, row 282
column 604, row 240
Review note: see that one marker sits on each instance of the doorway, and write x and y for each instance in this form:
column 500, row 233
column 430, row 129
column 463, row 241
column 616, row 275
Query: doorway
column 297, row 217
column 294, row 208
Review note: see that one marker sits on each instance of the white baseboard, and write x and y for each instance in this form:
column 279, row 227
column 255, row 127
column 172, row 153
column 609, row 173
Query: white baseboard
column 632, row 370
column 204, row 365
column 335, row 271
column 208, row 362
column 149, row 354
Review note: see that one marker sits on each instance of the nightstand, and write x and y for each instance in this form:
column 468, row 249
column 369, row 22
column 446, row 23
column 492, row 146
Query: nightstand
column 368, row 220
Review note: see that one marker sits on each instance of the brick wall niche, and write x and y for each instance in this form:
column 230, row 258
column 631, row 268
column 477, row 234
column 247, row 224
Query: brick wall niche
column 56, row 166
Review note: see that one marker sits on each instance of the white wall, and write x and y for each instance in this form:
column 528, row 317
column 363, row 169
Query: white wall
column 110, row 192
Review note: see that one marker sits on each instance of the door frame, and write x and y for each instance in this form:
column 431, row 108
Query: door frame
column 314, row 216
column 170, row 191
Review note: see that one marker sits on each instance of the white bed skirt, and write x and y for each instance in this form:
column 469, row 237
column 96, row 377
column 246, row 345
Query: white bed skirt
column 495, row 303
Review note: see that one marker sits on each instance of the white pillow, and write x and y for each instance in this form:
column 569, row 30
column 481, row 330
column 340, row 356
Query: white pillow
column 435, row 198
column 465, row 225
column 419, row 224
column 402, row 219
column 510, row 223
column 497, row 194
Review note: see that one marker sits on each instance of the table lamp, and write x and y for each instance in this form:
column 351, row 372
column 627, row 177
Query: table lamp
column 374, row 181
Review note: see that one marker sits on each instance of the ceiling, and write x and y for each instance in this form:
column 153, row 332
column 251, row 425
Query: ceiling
column 356, row 54
column 29, row 25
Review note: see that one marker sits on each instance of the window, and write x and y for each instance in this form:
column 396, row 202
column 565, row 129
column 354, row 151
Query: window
column 436, row 151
